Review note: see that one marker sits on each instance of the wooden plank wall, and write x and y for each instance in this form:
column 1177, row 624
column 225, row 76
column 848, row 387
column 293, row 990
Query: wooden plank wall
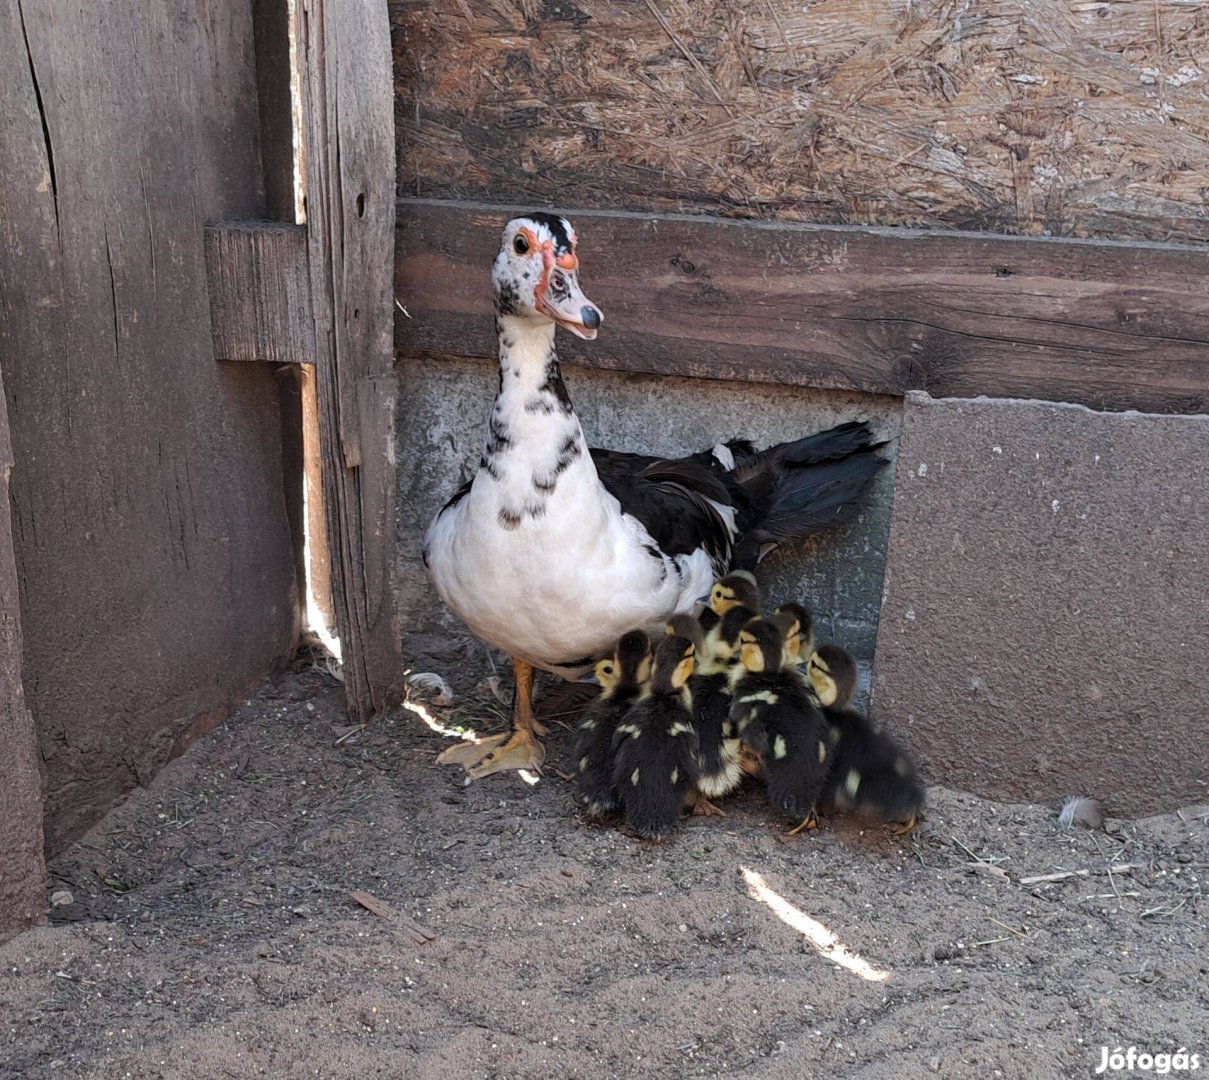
column 1109, row 325
column 149, row 520
column 345, row 66
column 1084, row 118
column 22, row 866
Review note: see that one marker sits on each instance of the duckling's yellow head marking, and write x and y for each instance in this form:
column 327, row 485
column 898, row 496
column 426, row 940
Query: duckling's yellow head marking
column 820, row 678
column 751, row 656
column 606, row 673
column 722, row 599
column 684, row 668
column 736, row 588
column 832, row 672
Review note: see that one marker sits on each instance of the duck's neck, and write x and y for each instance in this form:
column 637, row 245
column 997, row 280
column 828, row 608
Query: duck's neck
column 534, row 438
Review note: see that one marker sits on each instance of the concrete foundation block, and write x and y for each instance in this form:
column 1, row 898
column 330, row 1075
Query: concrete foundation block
column 1046, row 611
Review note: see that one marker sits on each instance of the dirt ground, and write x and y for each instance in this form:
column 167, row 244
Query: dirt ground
column 210, row 930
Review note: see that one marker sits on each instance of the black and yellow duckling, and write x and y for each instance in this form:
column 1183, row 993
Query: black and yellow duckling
column 797, row 625
column 655, row 746
column 776, row 715
column 624, row 680
column 870, row 773
column 719, row 757
column 737, row 589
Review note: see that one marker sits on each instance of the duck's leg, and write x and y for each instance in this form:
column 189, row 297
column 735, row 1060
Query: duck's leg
column 518, row 749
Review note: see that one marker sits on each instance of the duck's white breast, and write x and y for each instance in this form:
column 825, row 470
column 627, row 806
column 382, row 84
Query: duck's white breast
column 559, row 587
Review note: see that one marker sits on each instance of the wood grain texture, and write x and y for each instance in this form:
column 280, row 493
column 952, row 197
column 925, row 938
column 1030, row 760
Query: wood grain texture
column 260, row 292
column 344, row 56
column 22, row 865
column 1113, row 326
column 148, row 517
column 1073, row 117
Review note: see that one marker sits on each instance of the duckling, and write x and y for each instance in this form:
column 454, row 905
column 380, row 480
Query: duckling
column 624, row 680
column 738, row 589
column 870, row 772
column 775, row 714
column 718, row 751
column 655, row 746
column 798, row 627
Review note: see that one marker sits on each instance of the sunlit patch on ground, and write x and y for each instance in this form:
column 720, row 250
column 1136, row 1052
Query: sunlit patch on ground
column 828, row 945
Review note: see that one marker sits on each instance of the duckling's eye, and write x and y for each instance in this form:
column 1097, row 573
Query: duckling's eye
column 521, row 244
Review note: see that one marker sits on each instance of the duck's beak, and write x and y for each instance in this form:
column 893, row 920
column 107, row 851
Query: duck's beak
column 559, row 297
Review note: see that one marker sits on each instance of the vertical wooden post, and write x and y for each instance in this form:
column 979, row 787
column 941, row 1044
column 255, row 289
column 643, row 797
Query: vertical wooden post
column 349, row 146
column 22, row 868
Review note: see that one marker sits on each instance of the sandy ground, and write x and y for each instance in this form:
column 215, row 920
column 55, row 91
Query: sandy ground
column 211, row 931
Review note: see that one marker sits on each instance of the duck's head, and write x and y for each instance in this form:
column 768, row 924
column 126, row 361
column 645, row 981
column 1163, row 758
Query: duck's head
column 675, row 658
column 832, row 672
column 735, row 589
column 632, row 659
column 760, row 645
column 726, row 637
column 798, row 627
column 685, row 626
column 536, row 275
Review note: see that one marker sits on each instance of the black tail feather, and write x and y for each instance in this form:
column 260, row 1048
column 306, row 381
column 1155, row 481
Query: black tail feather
column 808, row 499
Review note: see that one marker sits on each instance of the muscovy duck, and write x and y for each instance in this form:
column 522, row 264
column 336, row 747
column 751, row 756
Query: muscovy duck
column 552, row 551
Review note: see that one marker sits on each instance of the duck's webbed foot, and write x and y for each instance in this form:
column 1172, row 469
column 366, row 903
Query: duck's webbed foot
column 810, row 821
column 702, row 807
column 519, row 748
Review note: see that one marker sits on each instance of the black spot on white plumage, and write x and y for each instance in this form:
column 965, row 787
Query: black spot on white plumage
column 506, row 298
column 555, row 387
column 489, row 466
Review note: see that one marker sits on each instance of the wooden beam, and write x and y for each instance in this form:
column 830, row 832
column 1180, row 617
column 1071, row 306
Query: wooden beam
column 260, row 292
column 348, row 135
column 22, row 865
column 1109, row 325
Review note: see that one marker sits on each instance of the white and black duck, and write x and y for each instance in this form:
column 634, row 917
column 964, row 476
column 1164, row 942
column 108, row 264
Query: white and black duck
column 553, row 551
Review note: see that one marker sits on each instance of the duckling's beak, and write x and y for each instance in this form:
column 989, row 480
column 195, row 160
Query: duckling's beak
column 559, row 297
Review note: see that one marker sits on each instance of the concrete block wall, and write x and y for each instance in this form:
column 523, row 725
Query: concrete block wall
column 442, row 420
column 1046, row 613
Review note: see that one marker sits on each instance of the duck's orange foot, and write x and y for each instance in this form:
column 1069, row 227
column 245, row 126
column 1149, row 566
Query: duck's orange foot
column 702, row 807
column 518, row 749
column 810, row 821
column 901, row 828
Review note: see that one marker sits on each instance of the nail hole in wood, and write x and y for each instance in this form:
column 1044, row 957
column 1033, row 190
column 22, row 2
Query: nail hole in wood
column 361, row 205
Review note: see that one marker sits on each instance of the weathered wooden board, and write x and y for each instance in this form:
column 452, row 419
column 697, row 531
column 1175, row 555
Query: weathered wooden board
column 344, row 60
column 260, row 292
column 1084, row 118
column 149, row 523
column 22, row 866
column 1109, row 325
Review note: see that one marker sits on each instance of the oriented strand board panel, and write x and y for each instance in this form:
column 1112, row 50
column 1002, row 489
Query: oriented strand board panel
column 1076, row 117
column 1105, row 324
column 1044, row 627
column 22, row 868
column 149, row 521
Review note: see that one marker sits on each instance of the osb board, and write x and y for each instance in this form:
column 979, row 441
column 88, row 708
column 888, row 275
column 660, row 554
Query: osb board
column 1077, row 117
column 149, row 520
column 1106, row 324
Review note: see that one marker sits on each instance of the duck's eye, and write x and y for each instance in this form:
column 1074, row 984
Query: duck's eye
column 521, row 244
